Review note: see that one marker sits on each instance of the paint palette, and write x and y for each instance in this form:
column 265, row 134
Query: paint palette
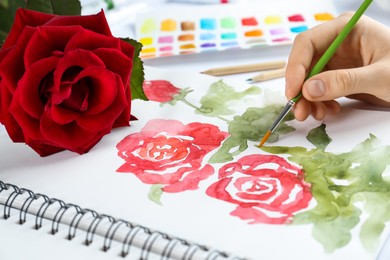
column 202, row 30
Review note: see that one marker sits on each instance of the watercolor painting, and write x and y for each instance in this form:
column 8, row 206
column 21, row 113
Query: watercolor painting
column 216, row 27
column 333, row 193
column 190, row 167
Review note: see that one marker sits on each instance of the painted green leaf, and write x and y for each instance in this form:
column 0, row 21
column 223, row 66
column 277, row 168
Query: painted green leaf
column 137, row 74
column 250, row 126
column 230, row 147
column 294, row 151
column 336, row 233
column 155, row 193
column 219, row 96
column 60, row 7
column 378, row 207
column 318, row 137
column 340, row 182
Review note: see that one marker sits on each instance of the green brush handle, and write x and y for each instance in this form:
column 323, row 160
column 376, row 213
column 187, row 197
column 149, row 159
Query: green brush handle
column 319, row 66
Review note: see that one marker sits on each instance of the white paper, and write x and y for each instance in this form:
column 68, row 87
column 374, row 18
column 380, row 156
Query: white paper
column 91, row 181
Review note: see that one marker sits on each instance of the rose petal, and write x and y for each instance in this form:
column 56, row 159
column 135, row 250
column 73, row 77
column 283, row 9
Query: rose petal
column 125, row 117
column 29, row 87
column 127, row 49
column 82, row 40
column 11, row 67
column 12, row 127
column 259, row 216
column 117, row 62
column 62, row 115
column 48, row 41
column 25, row 18
column 207, row 136
column 191, row 180
column 28, row 124
column 43, row 149
column 92, row 120
column 70, row 61
column 94, row 22
column 146, row 152
column 102, row 120
column 254, row 194
column 69, row 136
column 77, row 58
column 159, row 90
column 104, row 89
column 218, row 190
column 154, row 127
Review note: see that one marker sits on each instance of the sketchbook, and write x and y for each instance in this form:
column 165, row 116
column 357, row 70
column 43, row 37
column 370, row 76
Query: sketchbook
column 187, row 181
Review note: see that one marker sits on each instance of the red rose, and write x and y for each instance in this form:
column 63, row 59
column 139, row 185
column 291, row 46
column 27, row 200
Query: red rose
column 160, row 90
column 168, row 152
column 265, row 188
column 64, row 81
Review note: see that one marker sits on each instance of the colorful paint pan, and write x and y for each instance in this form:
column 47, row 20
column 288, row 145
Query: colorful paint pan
column 323, row 17
column 296, row 18
column 164, row 35
column 249, row 21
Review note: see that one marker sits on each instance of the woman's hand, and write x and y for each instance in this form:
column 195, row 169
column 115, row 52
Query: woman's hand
column 360, row 68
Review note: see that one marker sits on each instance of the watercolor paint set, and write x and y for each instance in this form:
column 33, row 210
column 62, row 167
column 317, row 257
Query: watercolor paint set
column 223, row 27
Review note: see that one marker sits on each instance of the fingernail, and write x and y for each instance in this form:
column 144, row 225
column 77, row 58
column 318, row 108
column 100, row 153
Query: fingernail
column 315, row 88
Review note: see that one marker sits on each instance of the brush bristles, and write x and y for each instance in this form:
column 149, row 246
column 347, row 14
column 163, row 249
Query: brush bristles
column 265, row 138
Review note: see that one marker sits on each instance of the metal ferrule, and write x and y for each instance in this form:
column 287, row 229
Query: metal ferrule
column 282, row 115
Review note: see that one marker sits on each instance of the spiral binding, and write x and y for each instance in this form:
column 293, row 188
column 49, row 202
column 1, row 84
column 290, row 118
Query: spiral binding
column 54, row 210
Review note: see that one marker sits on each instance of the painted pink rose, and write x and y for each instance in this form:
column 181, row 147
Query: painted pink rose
column 160, row 90
column 170, row 153
column 265, row 188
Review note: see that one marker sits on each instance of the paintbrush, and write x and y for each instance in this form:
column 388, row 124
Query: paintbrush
column 318, row 67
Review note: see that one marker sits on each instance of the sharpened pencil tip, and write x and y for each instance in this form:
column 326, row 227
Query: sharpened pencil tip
column 249, row 80
column 265, row 138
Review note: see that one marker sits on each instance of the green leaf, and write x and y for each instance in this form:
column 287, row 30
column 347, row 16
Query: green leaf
column 155, row 193
column 8, row 9
column 137, row 74
column 7, row 16
column 216, row 101
column 59, row 7
column 4, row 3
column 110, row 4
column 318, row 137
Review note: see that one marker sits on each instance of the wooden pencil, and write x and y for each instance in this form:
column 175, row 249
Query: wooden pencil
column 267, row 75
column 229, row 70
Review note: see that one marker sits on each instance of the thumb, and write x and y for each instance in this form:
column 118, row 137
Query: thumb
column 333, row 84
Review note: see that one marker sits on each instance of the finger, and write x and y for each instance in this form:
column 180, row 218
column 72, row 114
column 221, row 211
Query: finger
column 302, row 110
column 318, row 110
column 332, row 106
column 306, row 47
column 330, row 85
column 370, row 99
